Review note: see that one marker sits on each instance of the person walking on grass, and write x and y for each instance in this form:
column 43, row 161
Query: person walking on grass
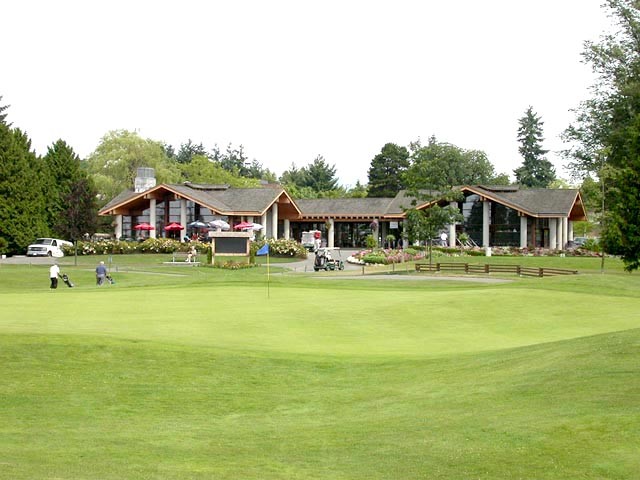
column 54, row 273
column 101, row 273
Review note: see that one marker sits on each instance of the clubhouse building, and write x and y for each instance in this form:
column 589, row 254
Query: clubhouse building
column 493, row 215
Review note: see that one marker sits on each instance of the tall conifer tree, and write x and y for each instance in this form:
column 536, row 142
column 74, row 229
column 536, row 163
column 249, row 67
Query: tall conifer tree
column 536, row 171
column 387, row 170
column 22, row 199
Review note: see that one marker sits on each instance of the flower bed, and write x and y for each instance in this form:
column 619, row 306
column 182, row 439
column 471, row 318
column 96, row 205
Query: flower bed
column 151, row 245
column 389, row 256
column 385, row 256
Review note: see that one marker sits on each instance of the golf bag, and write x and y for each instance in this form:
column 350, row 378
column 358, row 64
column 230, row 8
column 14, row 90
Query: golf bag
column 110, row 279
column 65, row 279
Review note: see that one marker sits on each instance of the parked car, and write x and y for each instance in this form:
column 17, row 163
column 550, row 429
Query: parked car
column 47, row 247
column 579, row 241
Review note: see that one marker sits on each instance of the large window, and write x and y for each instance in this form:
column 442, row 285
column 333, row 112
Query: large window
column 504, row 222
column 472, row 213
column 505, row 226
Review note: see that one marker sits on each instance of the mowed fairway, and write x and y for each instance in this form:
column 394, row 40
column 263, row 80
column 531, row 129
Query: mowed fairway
column 201, row 373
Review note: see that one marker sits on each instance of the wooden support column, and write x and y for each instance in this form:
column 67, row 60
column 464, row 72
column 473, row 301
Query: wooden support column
column 569, row 230
column 274, row 221
column 183, row 217
column 523, row 231
column 405, row 233
column 331, row 234
column 118, row 228
column 452, row 227
column 486, row 218
column 152, row 217
column 553, row 233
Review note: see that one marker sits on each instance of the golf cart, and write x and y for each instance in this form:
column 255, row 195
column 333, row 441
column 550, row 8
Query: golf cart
column 311, row 240
column 325, row 259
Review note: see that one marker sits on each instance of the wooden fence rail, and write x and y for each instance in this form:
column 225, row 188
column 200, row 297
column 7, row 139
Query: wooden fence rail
column 488, row 268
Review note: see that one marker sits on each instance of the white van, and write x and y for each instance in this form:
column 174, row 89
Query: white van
column 47, row 247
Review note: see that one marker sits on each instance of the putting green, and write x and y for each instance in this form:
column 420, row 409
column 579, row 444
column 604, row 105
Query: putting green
column 326, row 321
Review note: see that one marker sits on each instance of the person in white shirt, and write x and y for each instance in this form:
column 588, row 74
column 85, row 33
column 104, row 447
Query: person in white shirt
column 54, row 273
column 443, row 239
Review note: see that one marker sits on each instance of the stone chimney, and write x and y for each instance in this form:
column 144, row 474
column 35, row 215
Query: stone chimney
column 145, row 179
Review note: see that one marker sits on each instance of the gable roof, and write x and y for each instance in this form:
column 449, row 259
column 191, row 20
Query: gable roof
column 225, row 200
column 535, row 202
column 220, row 199
column 343, row 208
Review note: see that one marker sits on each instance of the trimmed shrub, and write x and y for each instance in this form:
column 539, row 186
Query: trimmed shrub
column 375, row 257
column 233, row 265
column 279, row 248
column 370, row 241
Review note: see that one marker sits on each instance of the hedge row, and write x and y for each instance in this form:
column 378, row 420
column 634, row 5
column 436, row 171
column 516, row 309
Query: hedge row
column 277, row 248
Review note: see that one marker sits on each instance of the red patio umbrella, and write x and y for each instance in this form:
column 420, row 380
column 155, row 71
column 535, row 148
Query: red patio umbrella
column 144, row 226
column 173, row 226
column 243, row 226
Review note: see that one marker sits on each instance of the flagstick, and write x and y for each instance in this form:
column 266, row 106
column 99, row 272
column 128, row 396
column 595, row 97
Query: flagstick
column 268, row 276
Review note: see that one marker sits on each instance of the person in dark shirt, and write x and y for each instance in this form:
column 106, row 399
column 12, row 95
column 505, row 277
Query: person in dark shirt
column 101, row 273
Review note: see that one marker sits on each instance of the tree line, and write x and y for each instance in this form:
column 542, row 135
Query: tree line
column 59, row 194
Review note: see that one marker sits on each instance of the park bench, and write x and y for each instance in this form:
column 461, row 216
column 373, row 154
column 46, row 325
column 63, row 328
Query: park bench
column 180, row 258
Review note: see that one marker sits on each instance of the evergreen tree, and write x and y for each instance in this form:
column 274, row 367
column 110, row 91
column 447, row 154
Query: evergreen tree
column 22, row 197
column 70, row 190
column 536, row 171
column 320, row 176
column 79, row 214
column 387, row 170
column 3, row 116
column 234, row 159
column 188, row 151
column 293, row 177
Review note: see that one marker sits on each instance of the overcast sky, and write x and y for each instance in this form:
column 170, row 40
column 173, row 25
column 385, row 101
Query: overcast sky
column 290, row 80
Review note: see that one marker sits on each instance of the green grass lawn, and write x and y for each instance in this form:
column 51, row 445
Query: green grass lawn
column 199, row 373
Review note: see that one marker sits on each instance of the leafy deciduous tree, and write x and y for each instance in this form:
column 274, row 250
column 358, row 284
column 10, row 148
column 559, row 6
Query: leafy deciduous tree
column 606, row 131
column 441, row 166
column 424, row 225
column 114, row 163
column 202, row 170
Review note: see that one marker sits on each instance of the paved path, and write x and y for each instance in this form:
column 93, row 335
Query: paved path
column 306, row 266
